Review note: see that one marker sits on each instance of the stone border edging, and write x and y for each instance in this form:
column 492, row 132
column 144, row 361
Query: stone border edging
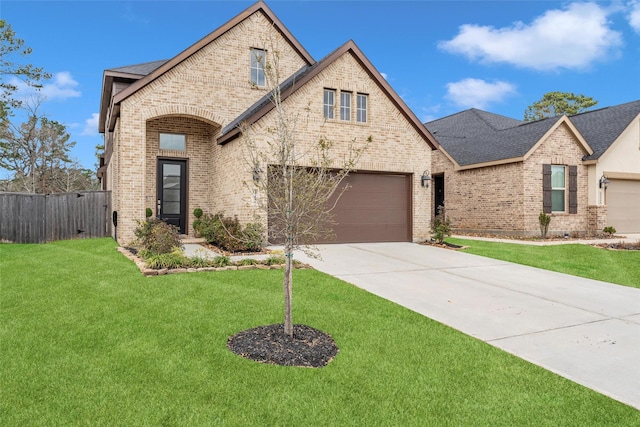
column 139, row 262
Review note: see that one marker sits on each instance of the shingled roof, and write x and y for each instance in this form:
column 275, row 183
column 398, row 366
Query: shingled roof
column 143, row 69
column 603, row 126
column 475, row 136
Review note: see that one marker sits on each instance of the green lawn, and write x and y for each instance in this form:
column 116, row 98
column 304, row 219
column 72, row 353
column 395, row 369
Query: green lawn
column 85, row 339
column 621, row 267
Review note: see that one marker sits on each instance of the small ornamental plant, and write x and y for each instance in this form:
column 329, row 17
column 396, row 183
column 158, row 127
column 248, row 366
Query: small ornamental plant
column 441, row 226
column 544, row 221
column 609, row 231
column 148, row 213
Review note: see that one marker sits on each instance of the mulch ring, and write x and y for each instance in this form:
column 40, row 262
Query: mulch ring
column 269, row 344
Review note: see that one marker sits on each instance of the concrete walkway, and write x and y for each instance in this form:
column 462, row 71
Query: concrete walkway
column 585, row 330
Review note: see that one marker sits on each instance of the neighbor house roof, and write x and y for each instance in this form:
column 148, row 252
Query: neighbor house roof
column 305, row 74
column 474, row 138
column 603, row 126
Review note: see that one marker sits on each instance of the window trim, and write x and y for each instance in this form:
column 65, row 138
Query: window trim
column 345, row 108
column 257, row 66
column 362, row 112
column 329, row 109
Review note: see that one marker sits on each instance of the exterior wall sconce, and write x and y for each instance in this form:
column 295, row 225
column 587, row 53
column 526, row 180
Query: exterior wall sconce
column 604, row 181
column 424, row 179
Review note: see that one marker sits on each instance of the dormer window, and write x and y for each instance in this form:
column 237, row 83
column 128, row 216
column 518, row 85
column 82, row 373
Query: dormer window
column 258, row 64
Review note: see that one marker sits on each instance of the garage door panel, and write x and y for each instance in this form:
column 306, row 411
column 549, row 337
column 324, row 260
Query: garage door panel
column 623, row 205
column 375, row 208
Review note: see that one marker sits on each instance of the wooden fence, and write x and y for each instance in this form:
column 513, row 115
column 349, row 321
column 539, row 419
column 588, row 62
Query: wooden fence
column 39, row 218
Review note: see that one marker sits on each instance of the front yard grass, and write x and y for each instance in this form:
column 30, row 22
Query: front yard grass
column 621, row 267
column 85, row 339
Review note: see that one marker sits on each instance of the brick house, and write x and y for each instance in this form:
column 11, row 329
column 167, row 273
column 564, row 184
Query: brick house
column 495, row 174
column 173, row 144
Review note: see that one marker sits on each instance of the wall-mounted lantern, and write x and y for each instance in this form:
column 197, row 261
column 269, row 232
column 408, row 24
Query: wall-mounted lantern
column 604, row 181
column 424, row 179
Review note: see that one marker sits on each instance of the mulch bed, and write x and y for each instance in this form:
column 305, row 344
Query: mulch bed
column 269, row 344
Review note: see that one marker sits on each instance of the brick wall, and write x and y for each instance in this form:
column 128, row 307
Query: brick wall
column 507, row 199
column 207, row 91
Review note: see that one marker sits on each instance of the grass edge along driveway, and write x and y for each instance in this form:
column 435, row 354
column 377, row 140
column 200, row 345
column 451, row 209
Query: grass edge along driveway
column 621, row 267
column 86, row 339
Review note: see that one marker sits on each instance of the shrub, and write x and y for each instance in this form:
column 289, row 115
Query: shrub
column 247, row 261
column 157, row 237
column 544, row 221
column 199, row 262
column 275, row 260
column 197, row 212
column 227, row 233
column 221, row 261
column 441, row 226
column 609, row 231
column 148, row 213
column 174, row 259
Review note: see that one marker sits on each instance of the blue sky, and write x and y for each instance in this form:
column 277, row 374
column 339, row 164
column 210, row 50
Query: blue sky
column 440, row 56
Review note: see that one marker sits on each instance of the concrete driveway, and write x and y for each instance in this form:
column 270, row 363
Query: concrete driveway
column 585, row 330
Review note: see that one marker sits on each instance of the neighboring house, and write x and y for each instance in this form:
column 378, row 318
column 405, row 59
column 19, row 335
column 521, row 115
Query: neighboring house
column 495, row 174
column 614, row 166
column 173, row 142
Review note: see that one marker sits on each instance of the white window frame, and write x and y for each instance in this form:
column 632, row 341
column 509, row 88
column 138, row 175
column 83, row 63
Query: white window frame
column 345, row 105
column 258, row 58
column 557, row 189
column 362, row 100
column 172, row 141
column 329, row 104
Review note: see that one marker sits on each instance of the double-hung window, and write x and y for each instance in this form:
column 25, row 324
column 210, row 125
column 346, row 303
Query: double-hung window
column 361, row 108
column 558, row 188
column 258, row 63
column 345, row 106
column 329, row 103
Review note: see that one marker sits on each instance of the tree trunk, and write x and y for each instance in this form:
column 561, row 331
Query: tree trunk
column 288, row 288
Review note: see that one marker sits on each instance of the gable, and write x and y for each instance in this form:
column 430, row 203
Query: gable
column 222, row 58
column 344, row 69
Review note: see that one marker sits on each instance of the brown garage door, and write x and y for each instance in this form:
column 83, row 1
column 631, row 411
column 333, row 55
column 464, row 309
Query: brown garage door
column 623, row 205
column 376, row 208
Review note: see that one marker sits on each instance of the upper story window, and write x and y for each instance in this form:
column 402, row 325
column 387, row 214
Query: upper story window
column 173, row 141
column 361, row 108
column 258, row 63
column 329, row 103
column 345, row 106
column 558, row 187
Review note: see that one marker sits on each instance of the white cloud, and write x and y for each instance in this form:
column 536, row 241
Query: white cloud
column 571, row 38
column 62, row 86
column 384, row 76
column 634, row 15
column 476, row 93
column 91, row 125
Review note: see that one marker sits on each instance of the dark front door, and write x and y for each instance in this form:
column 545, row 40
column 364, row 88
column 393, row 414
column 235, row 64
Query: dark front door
column 438, row 188
column 172, row 192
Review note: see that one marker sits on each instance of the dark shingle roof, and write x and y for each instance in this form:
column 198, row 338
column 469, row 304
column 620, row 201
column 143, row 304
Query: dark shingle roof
column 140, row 69
column 600, row 128
column 475, row 136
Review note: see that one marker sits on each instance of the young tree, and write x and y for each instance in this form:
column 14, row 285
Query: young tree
column 557, row 103
column 10, row 47
column 37, row 152
column 293, row 181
